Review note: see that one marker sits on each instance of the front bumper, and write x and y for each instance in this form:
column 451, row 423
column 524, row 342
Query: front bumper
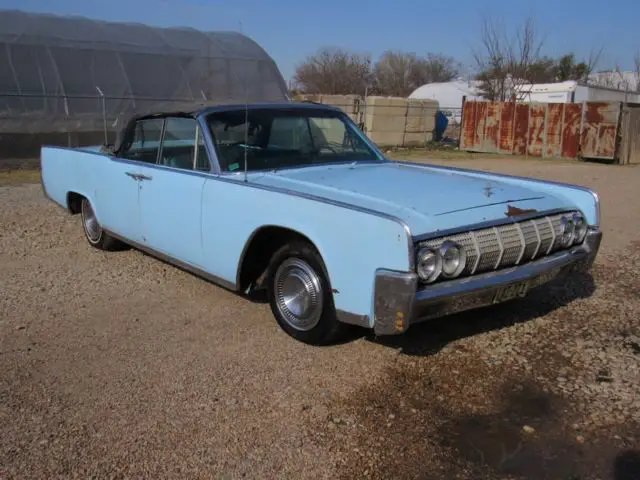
column 401, row 301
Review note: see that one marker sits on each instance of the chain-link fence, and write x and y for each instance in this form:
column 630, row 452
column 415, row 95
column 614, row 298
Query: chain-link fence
column 29, row 121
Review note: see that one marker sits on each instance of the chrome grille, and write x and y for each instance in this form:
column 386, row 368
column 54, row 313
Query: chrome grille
column 489, row 245
column 506, row 245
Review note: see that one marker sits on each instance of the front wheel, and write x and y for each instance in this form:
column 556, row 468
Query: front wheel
column 96, row 236
column 300, row 296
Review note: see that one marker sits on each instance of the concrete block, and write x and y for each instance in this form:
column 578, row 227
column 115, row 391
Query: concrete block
column 420, row 124
column 385, row 123
column 310, row 97
column 389, row 106
column 417, row 107
column 347, row 103
column 387, row 139
column 324, row 128
column 416, row 139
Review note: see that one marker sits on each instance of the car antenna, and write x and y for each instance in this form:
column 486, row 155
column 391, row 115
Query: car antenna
column 246, row 133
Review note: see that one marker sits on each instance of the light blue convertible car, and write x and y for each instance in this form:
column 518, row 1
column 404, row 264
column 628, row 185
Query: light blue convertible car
column 293, row 199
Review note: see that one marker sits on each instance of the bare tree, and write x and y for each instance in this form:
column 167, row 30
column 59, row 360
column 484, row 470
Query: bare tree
column 394, row 73
column 436, row 67
column 568, row 69
column 400, row 73
column 334, row 71
column 505, row 63
column 615, row 78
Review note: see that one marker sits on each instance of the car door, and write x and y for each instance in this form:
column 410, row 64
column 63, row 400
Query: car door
column 121, row 183
column 170, row 194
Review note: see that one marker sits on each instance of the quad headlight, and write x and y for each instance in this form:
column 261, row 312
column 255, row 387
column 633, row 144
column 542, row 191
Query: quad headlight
column 429, row 265
column 454, row 259
column 449, row 261
column 581, row 228
column 567, row 231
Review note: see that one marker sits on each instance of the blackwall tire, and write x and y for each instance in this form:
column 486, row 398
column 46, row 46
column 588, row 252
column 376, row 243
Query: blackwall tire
column 300, row 296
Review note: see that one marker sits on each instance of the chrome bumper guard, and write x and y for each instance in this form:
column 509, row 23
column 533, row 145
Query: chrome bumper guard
column 401, row 301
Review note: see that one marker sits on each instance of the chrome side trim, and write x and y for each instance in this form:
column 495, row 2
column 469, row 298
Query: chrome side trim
column 593, row 193
column 214, row 162
column 353, row 319
column 236, row 181
column 175, row 262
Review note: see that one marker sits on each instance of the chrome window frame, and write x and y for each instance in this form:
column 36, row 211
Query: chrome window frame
column 201, row 116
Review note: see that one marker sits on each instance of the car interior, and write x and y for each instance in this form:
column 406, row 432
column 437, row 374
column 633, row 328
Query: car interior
column 178, row 145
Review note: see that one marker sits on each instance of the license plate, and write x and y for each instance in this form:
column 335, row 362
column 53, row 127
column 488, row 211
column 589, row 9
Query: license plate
column 510, row 292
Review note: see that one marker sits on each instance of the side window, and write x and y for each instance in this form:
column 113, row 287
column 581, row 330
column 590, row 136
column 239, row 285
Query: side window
column 290, row 134
column 146, row 140
column 183, row 145
column 332, row 133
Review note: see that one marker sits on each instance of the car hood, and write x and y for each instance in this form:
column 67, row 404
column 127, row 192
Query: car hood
column 427, row 199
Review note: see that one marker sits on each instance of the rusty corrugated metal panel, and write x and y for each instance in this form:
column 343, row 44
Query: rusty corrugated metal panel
column 571, row 130
column 480, row 120
column 548, row 130
column 507, row 121
column 607, row 141
column 599, row 130
column 553, row 135
column 468, row 130
column 630, row 145
column 491, row 127
column 537, row 114
column 521, row 129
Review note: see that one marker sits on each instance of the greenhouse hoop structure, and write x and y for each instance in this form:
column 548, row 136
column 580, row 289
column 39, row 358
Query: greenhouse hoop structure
column 74, row 74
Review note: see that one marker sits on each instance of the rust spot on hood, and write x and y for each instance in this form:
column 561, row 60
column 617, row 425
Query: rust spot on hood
column 515, row 211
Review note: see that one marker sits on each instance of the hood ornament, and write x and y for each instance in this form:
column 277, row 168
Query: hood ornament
column 488, row 190
column 516, row 212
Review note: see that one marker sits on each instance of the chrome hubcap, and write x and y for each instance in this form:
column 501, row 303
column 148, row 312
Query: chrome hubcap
column 299, row 295
column 90, row 221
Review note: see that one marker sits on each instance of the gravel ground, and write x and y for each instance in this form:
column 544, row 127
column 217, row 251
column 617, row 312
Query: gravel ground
column 116, row 365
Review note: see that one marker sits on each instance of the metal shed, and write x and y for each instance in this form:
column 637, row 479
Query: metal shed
column 70, row 74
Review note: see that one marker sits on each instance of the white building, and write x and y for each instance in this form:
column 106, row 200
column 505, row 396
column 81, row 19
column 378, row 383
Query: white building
column 449, row 95
column 573, row 92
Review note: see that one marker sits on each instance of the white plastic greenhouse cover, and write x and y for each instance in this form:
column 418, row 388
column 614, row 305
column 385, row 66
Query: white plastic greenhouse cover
column 61, row 74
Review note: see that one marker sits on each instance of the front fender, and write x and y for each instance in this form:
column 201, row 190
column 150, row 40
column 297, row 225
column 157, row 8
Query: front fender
column 353, row 243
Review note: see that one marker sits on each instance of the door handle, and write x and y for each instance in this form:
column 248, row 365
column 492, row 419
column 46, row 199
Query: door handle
column 138, row 176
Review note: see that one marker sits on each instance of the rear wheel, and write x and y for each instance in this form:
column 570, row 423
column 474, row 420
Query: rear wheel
column 96, row 236
column 300, row 296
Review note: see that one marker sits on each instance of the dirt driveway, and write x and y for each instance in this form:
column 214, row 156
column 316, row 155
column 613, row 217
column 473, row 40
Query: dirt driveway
column 116, row 365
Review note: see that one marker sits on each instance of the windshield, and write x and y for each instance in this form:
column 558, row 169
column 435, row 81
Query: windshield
column 285, row 137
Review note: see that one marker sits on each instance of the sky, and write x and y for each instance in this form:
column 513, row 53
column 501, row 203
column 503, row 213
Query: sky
column 290, row 31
